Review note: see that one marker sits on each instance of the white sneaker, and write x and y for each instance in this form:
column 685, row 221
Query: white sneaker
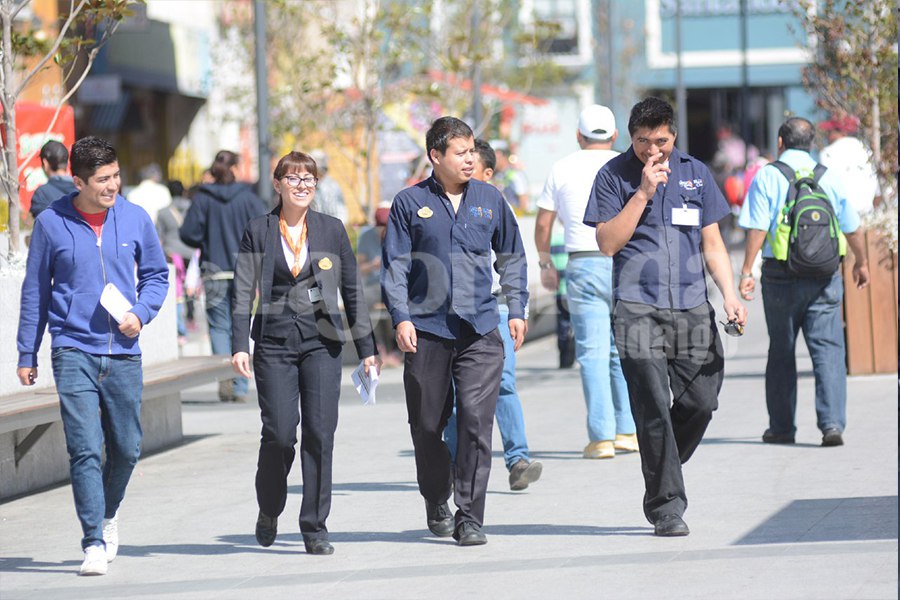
column 94, row 561
column 111, row 537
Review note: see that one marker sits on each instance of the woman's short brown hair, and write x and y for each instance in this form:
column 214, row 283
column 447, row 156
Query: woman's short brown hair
column 294, row 162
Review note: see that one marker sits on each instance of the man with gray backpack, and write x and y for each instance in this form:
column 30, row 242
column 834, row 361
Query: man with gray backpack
column 797, row 212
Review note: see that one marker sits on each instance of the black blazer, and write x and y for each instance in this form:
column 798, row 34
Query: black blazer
column 334, row 268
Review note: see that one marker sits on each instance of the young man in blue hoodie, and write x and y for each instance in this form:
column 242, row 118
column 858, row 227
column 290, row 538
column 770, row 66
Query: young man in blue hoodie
column 81, row 243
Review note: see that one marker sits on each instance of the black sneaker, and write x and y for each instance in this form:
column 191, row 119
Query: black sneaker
column 469, row 534
column 523, row 473
column 832, row 437
column 769, row 437
column 266, row 530
column 440, row 519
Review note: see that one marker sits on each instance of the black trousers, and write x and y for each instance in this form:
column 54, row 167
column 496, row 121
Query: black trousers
column 288, row 371
column 472, row 365
column 674, row 364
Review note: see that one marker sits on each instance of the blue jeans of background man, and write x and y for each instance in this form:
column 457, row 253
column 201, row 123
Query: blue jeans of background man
column 589, row 290
column 510, row 420
column 814, row 305
column 100, row 402
column 218, row 317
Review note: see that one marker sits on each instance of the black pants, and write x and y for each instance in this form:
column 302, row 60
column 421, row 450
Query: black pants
column 669, row 355
column 472, row 365
column 286, row 370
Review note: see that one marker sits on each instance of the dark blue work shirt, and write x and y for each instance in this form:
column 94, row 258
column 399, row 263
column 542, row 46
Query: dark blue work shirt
column 662, row 264
column 437, row 264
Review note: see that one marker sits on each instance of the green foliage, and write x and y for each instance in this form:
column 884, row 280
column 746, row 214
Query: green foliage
column 854, row 72
column 854, row 69
column 88, row 30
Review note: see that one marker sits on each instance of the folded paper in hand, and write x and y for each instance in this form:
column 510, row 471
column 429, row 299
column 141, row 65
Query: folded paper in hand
column 114, row 302
column 365, row 384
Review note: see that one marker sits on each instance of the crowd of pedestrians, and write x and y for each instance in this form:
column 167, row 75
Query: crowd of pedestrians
column 439, row 284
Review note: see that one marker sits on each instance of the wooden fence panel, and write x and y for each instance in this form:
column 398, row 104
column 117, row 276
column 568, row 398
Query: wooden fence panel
column 870, row 315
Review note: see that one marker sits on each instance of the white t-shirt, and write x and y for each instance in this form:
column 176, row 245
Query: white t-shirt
column 849, row 159
column 567, row 191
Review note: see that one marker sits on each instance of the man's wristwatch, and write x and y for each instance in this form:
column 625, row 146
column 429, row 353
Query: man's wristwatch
column 746, row 276
column 545, row 265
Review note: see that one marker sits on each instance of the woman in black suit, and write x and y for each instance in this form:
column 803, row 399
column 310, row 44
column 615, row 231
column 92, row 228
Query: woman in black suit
column 298, row 260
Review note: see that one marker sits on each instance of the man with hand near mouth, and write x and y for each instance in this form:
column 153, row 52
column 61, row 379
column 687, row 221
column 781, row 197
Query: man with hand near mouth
column 656, row 212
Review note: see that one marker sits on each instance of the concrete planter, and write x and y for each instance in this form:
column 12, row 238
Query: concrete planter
column 159, row 339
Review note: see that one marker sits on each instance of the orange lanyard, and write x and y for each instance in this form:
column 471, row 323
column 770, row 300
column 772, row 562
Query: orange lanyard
column 295, row 248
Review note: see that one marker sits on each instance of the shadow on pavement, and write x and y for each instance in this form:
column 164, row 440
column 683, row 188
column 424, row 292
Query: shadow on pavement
column 828, row 520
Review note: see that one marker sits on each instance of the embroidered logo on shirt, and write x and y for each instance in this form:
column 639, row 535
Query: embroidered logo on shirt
column 477, row 212
column 425, row 212
column 691, row 184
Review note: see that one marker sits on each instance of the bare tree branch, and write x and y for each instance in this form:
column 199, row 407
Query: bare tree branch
column 52, row 52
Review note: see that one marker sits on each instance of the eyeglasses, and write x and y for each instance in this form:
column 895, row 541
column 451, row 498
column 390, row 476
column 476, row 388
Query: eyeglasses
column 733, row 328
column 295, row 181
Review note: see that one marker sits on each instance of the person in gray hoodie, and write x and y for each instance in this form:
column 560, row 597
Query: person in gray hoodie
column 215, row 223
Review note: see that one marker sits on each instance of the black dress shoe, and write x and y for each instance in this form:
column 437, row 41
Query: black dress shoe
column 771, row 437
column 832, row 437
column 318, row 546
column 469, row 534
column 670, row 526
column 440, row 519
column 266, row 530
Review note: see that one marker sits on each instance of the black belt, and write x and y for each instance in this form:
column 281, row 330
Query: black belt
column 585, row 254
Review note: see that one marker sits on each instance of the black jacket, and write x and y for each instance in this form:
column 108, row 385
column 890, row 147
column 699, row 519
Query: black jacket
column 216, row 220
column 334, row 268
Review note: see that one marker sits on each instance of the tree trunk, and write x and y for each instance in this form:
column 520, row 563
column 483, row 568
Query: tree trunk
column 11, row 171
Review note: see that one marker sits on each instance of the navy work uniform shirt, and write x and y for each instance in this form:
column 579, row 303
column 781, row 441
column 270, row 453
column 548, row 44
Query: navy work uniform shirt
column 437, row 264
column 661, row 265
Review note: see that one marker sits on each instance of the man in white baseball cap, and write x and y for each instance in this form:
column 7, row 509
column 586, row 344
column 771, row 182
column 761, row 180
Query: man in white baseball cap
column 589, row 280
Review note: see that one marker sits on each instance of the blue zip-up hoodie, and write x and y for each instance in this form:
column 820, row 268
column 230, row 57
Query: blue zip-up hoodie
column 68, row 267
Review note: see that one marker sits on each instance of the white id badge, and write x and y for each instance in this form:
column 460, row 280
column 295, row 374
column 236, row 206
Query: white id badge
column 315, row 294
column 684, row 216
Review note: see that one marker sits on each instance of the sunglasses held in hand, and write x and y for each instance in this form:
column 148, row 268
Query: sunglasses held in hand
column 733, row 328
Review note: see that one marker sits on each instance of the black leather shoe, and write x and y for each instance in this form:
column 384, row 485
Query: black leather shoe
column 769, row 437
column 318, row 546
column 670, row 526
column 440, row 519
column 469, row 534
column 266, row 530
column 832, row 437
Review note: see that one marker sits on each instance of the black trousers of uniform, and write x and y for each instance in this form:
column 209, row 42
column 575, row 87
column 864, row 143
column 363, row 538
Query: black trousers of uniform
column 673, row 363
column 472, row 365
column 288, row 371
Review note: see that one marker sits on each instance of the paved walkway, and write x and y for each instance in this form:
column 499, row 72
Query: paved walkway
column 783, row 522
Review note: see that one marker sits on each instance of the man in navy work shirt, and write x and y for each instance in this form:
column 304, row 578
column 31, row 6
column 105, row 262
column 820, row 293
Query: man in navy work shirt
column 436, row 283
column 656, row 211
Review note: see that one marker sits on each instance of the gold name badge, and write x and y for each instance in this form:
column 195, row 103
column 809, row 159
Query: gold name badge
column 425, row 212
column 325, row 264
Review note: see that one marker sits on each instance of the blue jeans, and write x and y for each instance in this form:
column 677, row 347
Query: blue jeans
column 813, row 305
column 590, row 305
column 100, row 402
column 218, row 317
column 510, row 421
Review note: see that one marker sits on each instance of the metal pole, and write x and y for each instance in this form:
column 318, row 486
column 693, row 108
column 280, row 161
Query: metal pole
column 610, row 56
column 745, row 90
column 680, row 92
column 262, row 99
column 476, row 71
